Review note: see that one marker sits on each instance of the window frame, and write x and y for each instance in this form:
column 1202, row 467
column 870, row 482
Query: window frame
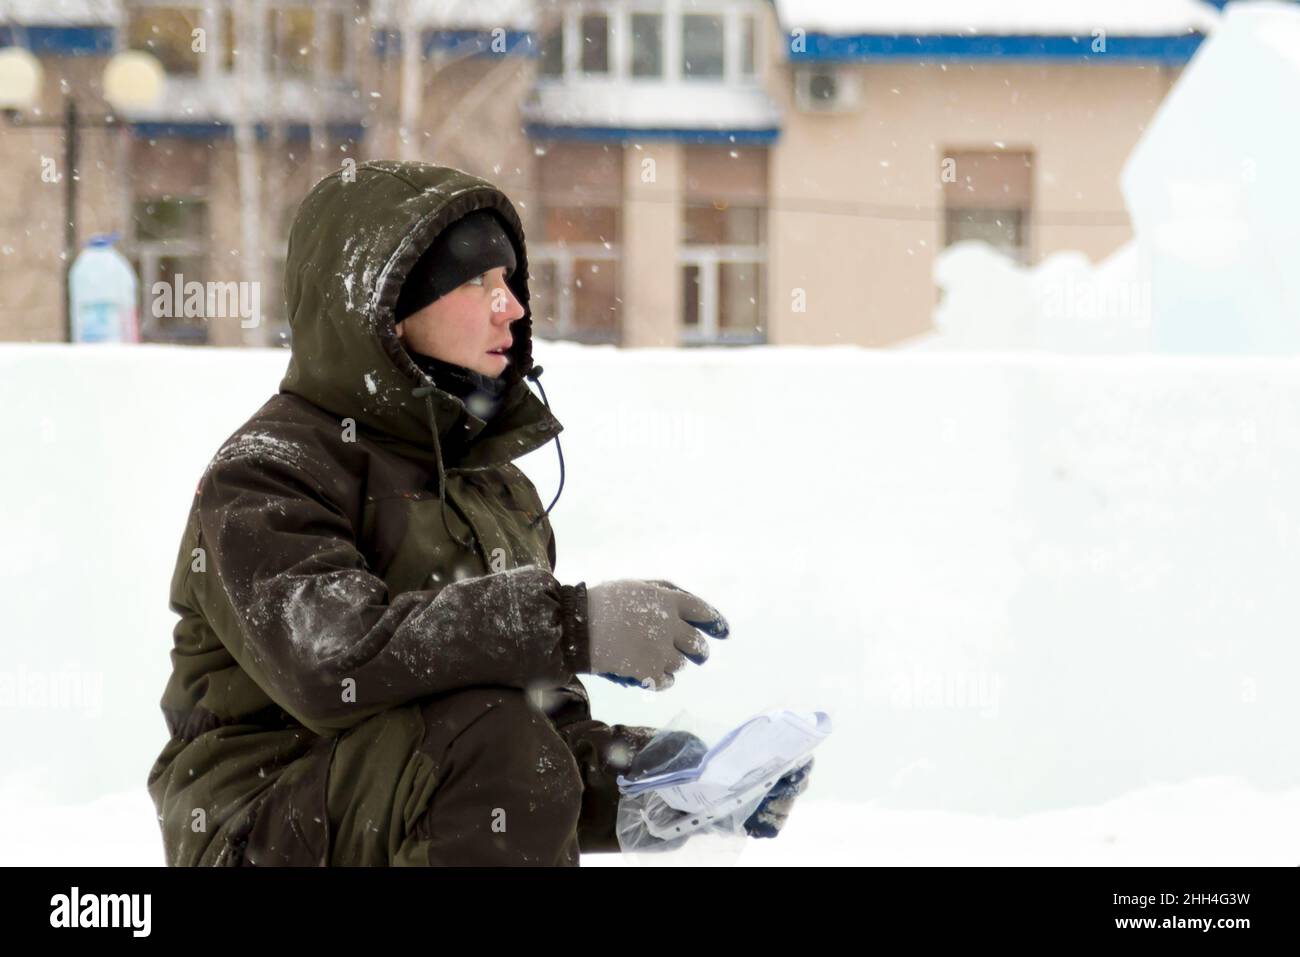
column 720, row 191
column 563, row 257
column 207, row 20
column 1024, row 253
column 148, row 253
column 734, row 14
column 662, row 17
column 215, row 15
column 1020, row 254
column 709, row 260
column 611, row 31
column 722, row 76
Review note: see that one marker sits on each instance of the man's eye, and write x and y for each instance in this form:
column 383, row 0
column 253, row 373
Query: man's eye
column 476, row 281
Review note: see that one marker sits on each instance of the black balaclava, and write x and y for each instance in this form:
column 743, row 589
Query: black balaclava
column 481, row 394
column 469, row 247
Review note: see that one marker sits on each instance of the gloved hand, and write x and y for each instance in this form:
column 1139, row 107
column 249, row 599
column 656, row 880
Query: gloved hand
column 641, row 632
column 771, row 814
column 673, row 751
column 667, row 751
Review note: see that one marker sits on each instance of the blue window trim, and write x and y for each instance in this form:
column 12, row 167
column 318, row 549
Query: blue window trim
column 620, row 134
column 220, row 130
column 476, row 42
column 59, row 41
column 823, row 47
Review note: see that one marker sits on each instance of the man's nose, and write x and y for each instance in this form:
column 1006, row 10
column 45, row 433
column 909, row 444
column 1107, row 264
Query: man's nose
column 509, row 307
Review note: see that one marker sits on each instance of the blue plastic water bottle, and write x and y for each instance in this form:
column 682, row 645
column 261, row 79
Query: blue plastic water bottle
column 104, row 292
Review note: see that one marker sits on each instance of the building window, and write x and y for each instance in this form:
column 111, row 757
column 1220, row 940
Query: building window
column 722, row 224
column 574, row 266
column 607, row 39
column 336, row 42
column 647, row 44
column 748, row 39
column 724, row 245
column 290, row 35
column 575, row 284
column 594, row 29
column 289, row 40
column 552, row 52
column 229, row 42
column 167, row 33
column 171, row 242
column 702, row 46
column 989, row 198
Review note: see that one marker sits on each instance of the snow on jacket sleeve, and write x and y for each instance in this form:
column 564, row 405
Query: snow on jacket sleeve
column 291, row 597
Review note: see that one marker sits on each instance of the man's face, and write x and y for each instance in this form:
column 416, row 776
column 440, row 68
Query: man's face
column 469, row 326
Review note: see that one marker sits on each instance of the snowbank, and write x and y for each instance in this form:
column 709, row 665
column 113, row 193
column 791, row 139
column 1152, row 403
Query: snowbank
column 1019, row 584
column 1063, row 304
column 457, row 14
column 1002, row 17
column 82, row 13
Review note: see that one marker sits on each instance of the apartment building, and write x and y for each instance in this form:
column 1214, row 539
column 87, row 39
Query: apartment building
column 688, row 171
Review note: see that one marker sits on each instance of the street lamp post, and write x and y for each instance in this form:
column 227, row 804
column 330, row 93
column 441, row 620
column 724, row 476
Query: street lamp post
column 132, row 79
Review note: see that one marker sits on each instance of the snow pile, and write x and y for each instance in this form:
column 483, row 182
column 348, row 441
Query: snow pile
column 1018, row 584
column 638, row 105
column 1000, row 18
column 1063, row 304
column 80, row 13
column 1212, row 195
column 457, row 14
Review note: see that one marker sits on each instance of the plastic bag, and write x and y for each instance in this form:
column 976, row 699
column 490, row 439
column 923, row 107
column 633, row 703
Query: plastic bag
column 645, row 822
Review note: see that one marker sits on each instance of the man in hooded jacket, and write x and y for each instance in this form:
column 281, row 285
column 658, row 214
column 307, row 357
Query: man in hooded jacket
column 374, row 663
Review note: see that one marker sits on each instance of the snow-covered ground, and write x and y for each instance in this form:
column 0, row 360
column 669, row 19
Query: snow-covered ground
column 1048, row 601
column 1211, row 822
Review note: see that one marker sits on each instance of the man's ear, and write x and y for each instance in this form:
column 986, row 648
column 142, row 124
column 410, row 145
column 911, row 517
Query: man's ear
column 399, row 330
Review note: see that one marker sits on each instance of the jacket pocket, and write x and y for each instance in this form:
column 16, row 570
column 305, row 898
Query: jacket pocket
column 287, row 825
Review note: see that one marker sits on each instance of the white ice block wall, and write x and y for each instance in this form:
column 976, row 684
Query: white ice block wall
column 1213, row 193
column 1016, row 583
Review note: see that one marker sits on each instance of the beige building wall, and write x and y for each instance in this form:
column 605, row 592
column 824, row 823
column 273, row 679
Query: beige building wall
column 468, row 116
column 653, row 174
column 207, row 170
column 857, row 198
column 33, row 208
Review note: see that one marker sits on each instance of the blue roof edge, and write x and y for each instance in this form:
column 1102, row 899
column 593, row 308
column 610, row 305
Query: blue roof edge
column 823, row 47
column 219, row 129
column 619, row 134
column 59, row 40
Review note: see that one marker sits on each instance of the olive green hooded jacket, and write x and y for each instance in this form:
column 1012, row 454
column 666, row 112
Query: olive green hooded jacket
column 364, row 540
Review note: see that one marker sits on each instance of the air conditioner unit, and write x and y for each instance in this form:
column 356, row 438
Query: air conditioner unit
column 825, row 89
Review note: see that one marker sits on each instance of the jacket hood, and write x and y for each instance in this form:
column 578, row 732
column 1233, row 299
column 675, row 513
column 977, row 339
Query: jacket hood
column 354, row 239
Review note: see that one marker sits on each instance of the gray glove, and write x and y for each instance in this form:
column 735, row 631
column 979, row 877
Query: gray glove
column 643, row 631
